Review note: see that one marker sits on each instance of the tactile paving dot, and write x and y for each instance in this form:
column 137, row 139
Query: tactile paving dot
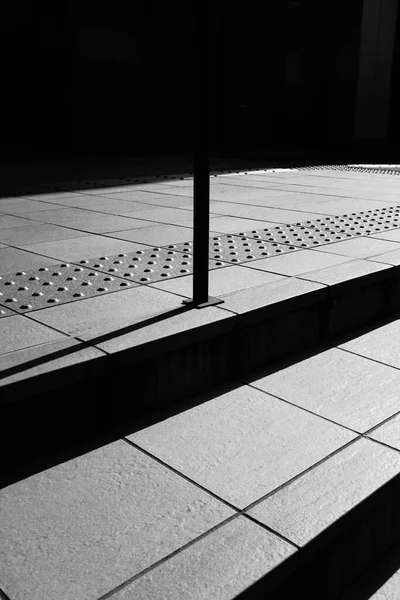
column 48, row 286
column 298, row 236
column 148, row 266
column 5, row 312
column 234, row 248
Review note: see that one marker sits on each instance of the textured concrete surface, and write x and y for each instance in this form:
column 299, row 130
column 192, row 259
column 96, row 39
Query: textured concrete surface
column 388, row 433
column 381, row 344
column 232, row 444
column 78, row 530
column 121, row 516
column 304, row 508
column 219, row 566
column 345, row 390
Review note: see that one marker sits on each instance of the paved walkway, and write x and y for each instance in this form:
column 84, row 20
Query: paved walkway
column 204, row 502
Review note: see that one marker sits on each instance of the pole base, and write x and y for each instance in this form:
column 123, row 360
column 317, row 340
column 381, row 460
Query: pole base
column 210, row 302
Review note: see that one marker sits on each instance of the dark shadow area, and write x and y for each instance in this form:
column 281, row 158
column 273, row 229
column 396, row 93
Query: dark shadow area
column 376, row 577
column 50, row 427
column 93, row 342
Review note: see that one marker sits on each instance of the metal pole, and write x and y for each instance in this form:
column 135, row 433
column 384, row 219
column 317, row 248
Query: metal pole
column 201, row 168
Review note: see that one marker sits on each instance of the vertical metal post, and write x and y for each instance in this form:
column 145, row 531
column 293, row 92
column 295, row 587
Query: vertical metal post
column 201, row 167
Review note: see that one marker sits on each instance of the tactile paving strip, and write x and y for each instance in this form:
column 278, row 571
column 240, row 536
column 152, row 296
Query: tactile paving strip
column 24, row 291
column 5, row 312
column 381, row 170
column 237, row 249
column 147, row 266
column 299, row 236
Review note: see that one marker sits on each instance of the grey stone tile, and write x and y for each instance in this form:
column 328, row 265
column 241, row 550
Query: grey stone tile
column 361, row 247
column 263, row 213
column 172, row 216
column 221, row 281
column 274, row 293
column 232, row 444
column 388, row 433
column 88, row 246
column 19, row 332
column 105, row 204
column 51, row 196
column 307, row 506
column 349, row 389
column 49, row 358
column 348, row 271
column 164, row 198
column 393, row 235
column 71, row 522
column 382, row 344
column 99, row 315
column 223, row 192
column 6, row 312
column 350, row 205
column 37, row 233
column 13, row 259
column 100, row 223
column 136, row 194
column 60, row 216
column 221, row 565
column 7, row 221
column 297, row 263
column 236, row 224
column 19, row 206
column 389, row 258
column 155, row 234
column 60, row 199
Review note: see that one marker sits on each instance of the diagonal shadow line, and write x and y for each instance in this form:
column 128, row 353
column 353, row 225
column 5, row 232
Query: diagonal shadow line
column 97, row 340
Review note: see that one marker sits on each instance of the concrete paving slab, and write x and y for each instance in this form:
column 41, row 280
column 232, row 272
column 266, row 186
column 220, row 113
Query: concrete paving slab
column 9, row 221
column 101, row 223
column 159, row 199
column 232, row 444
column 360, row 247
column 223, row 192
column 103, row 204
column 389, row 258
column 63, row 528
column 381, row 344
column 18, row 332
column 136, row 193
column 297, row 263
column 51, row 196
column 237, row 224
column 13, row 259
column 307, row 506
column 52, row 358
column 221, row 565
column 170, row 216
column 156, row 235
column 388, row 433
column 350, row 205
column 221, row 281
column 101, row 315
column 247, row 301
column 346, row 272
column 63, row 199
column 337, row 385
column 37, row 233
column 393, row 235
column 6, row 312
column 19, row 206
column 261, row 213
column 88, row 246
column 61, row 216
